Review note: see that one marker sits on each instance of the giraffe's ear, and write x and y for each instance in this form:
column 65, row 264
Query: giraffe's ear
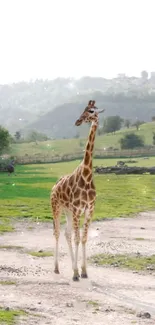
column 90, row 103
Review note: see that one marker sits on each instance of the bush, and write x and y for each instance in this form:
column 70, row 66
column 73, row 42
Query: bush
column 112, row 124
column 130, row 141
column 5, row 139
column 3, row 164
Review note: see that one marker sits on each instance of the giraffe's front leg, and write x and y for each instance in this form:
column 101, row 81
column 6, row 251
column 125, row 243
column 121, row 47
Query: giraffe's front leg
column 76, row 224
column 88, row 216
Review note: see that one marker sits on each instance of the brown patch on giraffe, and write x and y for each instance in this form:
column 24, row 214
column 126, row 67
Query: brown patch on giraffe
column 64, row 186
column 91, row 147
column 68, row 190
column 84, row 195
column 88, row 146
column 91, row 195
column 86, row 172
column 90, row 137
column 64, row 196
column 93, row 137
column 91, row 207
column 79, row 211
column 74, row 212
column 58, row 188
column 90, row 164
column 89, row 178
column 71, row 181
column 74, row 188
column 77, row 193
column 83, row 203
column 81, row 182
column 77, row 176
column 87, row 186
column 67, row 204
column 87, row 157
column 76, row 202
column 92, row 185
column 71, row 196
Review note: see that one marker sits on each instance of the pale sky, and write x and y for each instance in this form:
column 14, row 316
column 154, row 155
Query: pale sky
column 73, row 38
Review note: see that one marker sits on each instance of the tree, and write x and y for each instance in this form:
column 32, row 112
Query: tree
column 127, row 123
column 137, row 124
column 130, row 141
column 36, row 136
column 153, row 118
column 112, row 124
column 153, row 138
column 4, row 139
column 18, row 135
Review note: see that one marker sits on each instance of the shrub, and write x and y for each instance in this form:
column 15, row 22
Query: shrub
column 130, row 141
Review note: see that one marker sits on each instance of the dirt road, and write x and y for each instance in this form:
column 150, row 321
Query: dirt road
column 110, row 295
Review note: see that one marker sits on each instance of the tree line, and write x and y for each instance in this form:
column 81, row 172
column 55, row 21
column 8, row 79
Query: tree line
column 112, row 124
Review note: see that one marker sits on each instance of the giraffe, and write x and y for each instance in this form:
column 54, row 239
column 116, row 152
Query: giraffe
column 75, row 194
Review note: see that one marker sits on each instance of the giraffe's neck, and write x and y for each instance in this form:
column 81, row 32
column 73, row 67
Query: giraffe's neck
column 88, row 156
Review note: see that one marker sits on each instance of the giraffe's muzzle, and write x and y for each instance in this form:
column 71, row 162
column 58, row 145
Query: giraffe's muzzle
column 78, row 122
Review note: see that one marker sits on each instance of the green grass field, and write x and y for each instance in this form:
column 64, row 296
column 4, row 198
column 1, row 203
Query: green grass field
column 27, row 195
column 67, row 146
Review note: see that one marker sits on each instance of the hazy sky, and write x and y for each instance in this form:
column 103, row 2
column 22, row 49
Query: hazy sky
column 72, row 38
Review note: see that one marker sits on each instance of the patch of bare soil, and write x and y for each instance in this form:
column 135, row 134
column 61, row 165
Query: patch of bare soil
column 110, row 295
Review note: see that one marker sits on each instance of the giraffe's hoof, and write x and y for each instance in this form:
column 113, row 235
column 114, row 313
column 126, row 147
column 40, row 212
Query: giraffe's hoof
column 84, row 275
column 56, row 271
column 76, row 278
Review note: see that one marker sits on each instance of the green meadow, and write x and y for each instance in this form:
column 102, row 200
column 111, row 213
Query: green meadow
column 27, row 195
column 68, row 146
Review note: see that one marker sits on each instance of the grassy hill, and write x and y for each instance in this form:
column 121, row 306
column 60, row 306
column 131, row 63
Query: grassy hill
column 73, row 146
column 59, row 122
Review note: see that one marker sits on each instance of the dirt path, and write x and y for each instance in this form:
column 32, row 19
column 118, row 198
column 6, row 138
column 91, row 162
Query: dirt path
column 110, row 295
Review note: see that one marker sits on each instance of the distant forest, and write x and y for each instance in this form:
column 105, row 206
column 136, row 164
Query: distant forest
column 51, row 106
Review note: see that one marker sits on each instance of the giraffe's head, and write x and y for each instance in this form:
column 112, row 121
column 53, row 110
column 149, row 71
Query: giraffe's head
column 90, row 114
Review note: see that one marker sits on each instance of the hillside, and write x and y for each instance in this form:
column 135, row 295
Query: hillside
column 59, row 122
column 24, row 102
column 72, row 146
column 51, row 106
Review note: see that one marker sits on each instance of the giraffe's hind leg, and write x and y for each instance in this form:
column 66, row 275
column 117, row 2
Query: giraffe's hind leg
column 56, row 232
column 68, row 235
